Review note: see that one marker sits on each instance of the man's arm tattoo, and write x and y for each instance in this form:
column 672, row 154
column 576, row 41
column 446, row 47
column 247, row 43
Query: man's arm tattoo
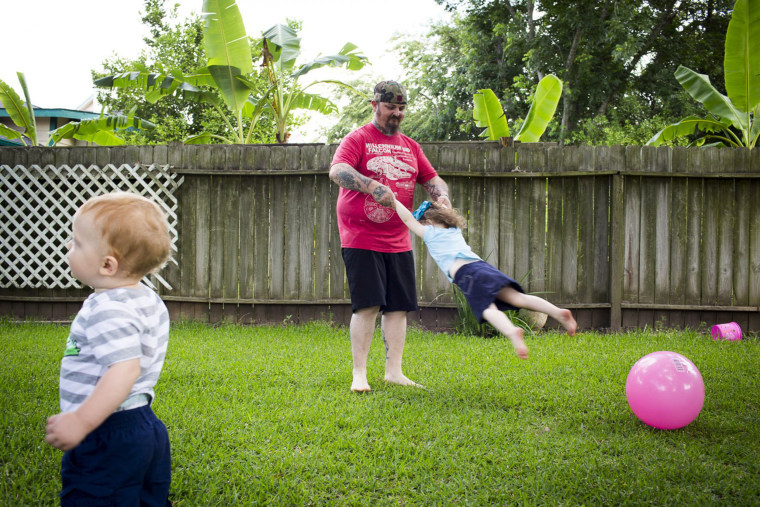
column 352, row 180
column 436, row 190
column 379, row 192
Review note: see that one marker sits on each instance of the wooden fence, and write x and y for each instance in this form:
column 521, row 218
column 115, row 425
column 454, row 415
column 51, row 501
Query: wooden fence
column 624, row 236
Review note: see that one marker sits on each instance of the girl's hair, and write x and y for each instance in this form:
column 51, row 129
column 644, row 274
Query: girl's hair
column 448, row 217
column 134, row 228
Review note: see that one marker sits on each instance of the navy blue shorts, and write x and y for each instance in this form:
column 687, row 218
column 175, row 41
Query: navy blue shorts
column 124, row 461
column 480, row 283
column 380, row 279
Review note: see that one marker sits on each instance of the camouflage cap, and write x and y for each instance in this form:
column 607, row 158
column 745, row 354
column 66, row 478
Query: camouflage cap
column 390, row 91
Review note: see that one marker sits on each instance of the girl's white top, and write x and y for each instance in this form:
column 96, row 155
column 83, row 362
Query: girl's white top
column 446, row 246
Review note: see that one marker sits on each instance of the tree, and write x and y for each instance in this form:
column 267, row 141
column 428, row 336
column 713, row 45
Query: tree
column 171, row 84
column 608, row 54
column 732, row 119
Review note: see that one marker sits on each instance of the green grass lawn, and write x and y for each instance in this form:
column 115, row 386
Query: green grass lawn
column 264, row 415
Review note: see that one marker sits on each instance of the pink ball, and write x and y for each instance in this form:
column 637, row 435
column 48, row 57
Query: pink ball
column 665, row 390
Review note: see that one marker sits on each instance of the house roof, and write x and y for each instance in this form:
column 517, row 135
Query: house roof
column 72, row 114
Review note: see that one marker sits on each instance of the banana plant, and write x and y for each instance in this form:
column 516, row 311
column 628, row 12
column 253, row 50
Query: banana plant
column 223, row 83
column 732, row 118
column 489, row 114
column 98, row 131
column 280, row 48
column 21, row 112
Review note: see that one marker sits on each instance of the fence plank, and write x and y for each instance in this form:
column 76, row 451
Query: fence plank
column 741, row 246
column 307, row 237
column 571, row 199
column 203, row 222
column 491, row 224
column 294, row 210
column 231, row 235
column 694, row 212
column 507, row 225
column 710, row 233
column 522, row 246
column 277, row 218
column 262, row 212
column 322, row 207
column 248, row 218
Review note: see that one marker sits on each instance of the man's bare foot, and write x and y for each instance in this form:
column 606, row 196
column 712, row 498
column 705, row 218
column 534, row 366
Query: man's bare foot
column 518, row 343
column 360, row 384
column 401, row 380
column 568, row 322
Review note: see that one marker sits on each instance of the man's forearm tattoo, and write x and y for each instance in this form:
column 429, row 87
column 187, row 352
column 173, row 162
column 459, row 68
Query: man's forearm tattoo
column 352, row 180
column 436, row 190
column 379, row 192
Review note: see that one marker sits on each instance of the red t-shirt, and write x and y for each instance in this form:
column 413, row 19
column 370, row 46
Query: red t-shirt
column 395, row 161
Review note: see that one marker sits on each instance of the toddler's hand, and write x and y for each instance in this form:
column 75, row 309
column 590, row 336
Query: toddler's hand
column 64, row 431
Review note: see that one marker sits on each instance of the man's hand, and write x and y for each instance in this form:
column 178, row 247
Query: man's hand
column 384, row 196
column 438, row 191
column 64, row 431
column 444, row 201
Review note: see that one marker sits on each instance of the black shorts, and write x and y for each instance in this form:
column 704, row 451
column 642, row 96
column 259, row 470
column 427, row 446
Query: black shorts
column 381, row 279
column 480, row 282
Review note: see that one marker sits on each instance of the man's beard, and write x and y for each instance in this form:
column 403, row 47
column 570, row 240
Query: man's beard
column 390, row 128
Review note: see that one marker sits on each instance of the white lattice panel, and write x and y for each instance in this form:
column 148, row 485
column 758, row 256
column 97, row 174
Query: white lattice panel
column 37, row 205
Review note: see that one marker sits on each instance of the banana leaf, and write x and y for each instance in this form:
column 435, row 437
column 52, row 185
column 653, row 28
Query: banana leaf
column 155, row 85
column 489, row 114
column 344, row 85
column 18, row 111
column 10, row 133
column 254, row 105
column 311, row 102
column 227, row 49
column 755, row 130
column 100, row 130
column 30, row 132
column 205, row 138
column 347, row 56
column 545, row 100
column 284, row 45
column 201, row 77
column 686, row 127
column 717, row 104
column 741, row 63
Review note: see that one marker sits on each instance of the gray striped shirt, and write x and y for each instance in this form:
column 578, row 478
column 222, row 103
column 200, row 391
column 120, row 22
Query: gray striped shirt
column 113, row 326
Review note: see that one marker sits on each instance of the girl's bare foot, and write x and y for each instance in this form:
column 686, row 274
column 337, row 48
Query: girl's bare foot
column 516, row 337
column 568, row 322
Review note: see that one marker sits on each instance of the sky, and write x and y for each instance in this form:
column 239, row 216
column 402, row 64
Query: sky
column 56, row 44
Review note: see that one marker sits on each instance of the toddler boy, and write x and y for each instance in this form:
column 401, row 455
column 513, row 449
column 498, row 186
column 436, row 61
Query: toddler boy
column 116, row 449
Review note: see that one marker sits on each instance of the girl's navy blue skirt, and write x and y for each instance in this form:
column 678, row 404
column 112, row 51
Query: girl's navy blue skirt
column 480, row 282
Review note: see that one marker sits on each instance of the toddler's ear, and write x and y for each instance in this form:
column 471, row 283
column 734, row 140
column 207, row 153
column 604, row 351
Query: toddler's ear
column 110, row 266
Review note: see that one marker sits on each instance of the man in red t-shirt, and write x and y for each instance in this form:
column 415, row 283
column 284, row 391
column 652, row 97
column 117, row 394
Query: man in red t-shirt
column 375, row 165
